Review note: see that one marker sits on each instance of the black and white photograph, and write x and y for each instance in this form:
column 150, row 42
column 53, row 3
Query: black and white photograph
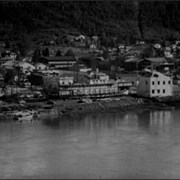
column 90, row 89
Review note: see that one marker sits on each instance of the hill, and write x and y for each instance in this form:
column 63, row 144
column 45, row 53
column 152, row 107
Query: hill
column 126, row 20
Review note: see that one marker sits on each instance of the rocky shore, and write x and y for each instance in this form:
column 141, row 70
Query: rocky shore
column 75, row 108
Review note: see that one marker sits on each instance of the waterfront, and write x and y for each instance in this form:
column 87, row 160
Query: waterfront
column 133, row 144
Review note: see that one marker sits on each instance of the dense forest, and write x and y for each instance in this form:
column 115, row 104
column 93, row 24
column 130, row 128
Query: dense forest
column 125, row 20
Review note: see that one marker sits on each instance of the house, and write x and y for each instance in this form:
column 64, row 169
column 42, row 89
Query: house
column 90, row 61
column 83, row 68
column 66, row 79
column 154, row 84
column 51, row 72
column 157, row 46
column 167, row 52
column 13, row 55
column 95, row 41
column 93, row 78
column 58, row 61
column 131, row 64
column 92, row 47
column 4, row 60
column 153, row 62
column 26, row 67
column 41, row 66
column 166, row 67
column 116, row 65
column 80, row 38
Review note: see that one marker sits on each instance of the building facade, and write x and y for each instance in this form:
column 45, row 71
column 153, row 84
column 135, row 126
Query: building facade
column 155, row 84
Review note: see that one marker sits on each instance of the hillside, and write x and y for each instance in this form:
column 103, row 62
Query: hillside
column 125, row 20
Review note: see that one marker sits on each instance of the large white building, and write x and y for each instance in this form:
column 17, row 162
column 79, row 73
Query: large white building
column 155, row 84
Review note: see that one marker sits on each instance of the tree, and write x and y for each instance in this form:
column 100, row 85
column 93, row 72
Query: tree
column 24, row 45
column 148, row 52
column 2, row 71
column 105, row 54
column 70, row 53
column 9, row 76
column 45, row 52
column 7, row 42
column 58, row 53
column 36, row 55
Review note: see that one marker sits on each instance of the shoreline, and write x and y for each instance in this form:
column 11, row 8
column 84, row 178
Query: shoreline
column 72, row 108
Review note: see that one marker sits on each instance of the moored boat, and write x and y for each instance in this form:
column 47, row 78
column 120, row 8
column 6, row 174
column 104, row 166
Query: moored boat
column 25, row 116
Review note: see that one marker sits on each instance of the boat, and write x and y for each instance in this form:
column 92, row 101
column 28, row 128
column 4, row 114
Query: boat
column 25, row 116
column 85, row 100
column 95, row 85
column 125, row 92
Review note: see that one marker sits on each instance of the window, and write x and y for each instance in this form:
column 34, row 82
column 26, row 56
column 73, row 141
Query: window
column 153, row 91
column 152, row 82
column 155, row 75
column 169, row 82
column 146, row 82
column 163, row 82
column 158, row 82
column 163, row 90
column 158, row 91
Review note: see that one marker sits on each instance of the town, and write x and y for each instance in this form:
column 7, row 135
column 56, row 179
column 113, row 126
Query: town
column 89, row 89
column 81, row 68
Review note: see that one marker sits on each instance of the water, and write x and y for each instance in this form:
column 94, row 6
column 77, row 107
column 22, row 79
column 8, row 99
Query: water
column 143, row 144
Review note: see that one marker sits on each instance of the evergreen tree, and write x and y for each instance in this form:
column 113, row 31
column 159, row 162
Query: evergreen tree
column 36, row 55
column 24, row 45
column 58, row 53
column 70, row 53
column 7, row 42
column 45, row 52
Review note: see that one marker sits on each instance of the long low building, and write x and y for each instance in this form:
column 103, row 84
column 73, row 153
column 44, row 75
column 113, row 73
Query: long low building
column 58, row 61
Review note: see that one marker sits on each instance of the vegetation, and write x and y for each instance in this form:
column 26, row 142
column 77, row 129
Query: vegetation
column 125, row 20
column 70, row 53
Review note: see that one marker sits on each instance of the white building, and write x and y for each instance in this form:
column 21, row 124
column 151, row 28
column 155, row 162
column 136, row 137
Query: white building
column 167, row 52
column 66, row 80
column 26, row 67
column 41, row 66
column 155, row 84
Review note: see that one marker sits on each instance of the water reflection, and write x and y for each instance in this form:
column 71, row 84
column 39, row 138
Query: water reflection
column 133, row 144
column 157, row 121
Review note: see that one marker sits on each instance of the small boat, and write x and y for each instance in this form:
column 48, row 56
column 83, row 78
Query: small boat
column 85, row 100
column 25, row 116
column 124, row 92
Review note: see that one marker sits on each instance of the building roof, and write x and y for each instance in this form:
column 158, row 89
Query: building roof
column 23, row 64
column 134, row 59
column 9, row 64
column 40, row 64
column 156, row 60
column 154, row 73
column 59, row 58
column 12, row 63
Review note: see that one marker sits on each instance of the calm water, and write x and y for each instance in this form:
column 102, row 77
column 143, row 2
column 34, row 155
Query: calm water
column 144, row 144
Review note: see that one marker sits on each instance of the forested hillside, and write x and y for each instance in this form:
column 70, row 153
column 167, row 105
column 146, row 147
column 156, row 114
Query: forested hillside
column 121, row 19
